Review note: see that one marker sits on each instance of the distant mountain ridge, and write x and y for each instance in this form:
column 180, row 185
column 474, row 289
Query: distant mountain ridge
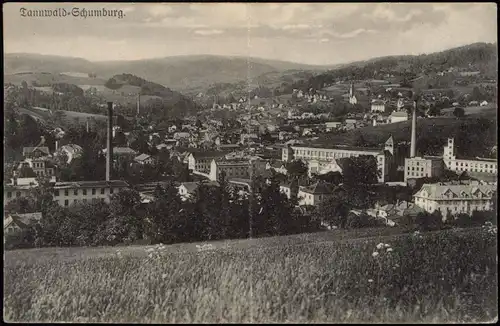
column 181, row 73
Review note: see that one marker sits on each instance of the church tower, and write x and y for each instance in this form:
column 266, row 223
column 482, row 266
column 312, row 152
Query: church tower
column 352, row 98
column 449, row 150
column 389, row 145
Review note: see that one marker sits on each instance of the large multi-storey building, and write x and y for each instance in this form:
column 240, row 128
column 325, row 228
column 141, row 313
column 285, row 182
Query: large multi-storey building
column 13, row 191
column 201, row 161
column 482, row 165
column 455, row 198
column 320, row 157
column 40, row 167
column 67, row 193
column 433, row 166
column 240, row 169
column 421, row 167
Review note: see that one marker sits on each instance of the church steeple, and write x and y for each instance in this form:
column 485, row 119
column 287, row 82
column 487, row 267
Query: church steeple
column 389, row 145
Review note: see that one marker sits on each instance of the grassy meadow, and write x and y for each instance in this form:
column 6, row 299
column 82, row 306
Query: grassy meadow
column 445, row 276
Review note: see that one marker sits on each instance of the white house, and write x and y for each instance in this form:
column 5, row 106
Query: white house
column 378, row 106
column 398, row 116
column 144, row 159
column 187, row 189
column 315, row 194
column 72, row 151
column 17, row 222
column 455, row 198
column 67, row 193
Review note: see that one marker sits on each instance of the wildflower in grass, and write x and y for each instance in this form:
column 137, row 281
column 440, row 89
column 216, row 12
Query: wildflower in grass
column 389, row 249
column 380, row 246
column 375, row 254
column 387, row 245
column 370, row 280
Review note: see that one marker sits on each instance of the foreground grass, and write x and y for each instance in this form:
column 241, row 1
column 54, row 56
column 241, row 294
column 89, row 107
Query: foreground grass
column 447, row 276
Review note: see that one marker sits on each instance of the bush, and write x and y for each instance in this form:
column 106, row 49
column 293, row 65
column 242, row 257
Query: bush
column 429, row 222
column 362, row 221
column 20, row 239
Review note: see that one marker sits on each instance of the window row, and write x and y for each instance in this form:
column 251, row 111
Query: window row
column 75, row 201
column 85, row 192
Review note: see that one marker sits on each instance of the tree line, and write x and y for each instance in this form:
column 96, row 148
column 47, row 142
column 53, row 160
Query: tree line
column 213, row 212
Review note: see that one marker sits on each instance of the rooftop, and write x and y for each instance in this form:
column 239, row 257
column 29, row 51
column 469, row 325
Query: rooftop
column 142, row 157
column 90, row 184
column 192, row 186
column 339, row 147
column 121, row 150
column 439, row 190
column 44, row 149
column 320, row 187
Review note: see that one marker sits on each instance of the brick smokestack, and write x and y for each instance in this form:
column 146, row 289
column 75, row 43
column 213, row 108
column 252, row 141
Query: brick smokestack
column 109, row 141
column 413, row 148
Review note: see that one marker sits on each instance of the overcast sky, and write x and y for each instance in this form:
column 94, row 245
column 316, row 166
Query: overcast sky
column 322, row 33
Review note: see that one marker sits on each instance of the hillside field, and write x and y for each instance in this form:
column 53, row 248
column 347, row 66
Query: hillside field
column 442, row 127
column 338, row 276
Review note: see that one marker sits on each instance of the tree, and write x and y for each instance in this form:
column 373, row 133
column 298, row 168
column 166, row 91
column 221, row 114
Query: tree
column 21, row 205
column 428, row 222
column 459, row 112
column 476, row 94
column 434, row 111
column 359, row 140
column 165, row 221
column 334, row 211
column 120, row 139
column 360, row 170
column 272, row 210
column 125, row 206
column 296, row 169
column 331, row 177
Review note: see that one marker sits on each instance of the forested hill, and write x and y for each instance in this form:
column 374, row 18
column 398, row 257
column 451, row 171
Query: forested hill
column 478, row 56
column 162, row 100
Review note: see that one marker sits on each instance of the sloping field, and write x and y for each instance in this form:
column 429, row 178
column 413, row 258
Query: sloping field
column 47, row 79
column 446, row 276
column 400, row 131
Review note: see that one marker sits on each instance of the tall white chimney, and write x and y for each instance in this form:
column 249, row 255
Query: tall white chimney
column 413, row 148
column 109, row 153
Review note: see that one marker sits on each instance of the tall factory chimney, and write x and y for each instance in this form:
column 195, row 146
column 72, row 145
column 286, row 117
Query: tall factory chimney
column 109, row 152
column 138, row 104
column 413, row 148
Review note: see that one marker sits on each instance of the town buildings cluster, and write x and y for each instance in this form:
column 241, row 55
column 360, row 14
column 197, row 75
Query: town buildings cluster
column 268, row 137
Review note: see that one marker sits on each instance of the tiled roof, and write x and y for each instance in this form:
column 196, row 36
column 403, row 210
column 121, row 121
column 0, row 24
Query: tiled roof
column 22, row 220
column 339, row 147
column 121, row 150
column 399, row 114
column 192, row 186
column 208, row 154
column 71, row 148
column 437, row 191
column 277, row 164
column 319, row 187
column 44, row 149
column 142, row 157
column 90, row 184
